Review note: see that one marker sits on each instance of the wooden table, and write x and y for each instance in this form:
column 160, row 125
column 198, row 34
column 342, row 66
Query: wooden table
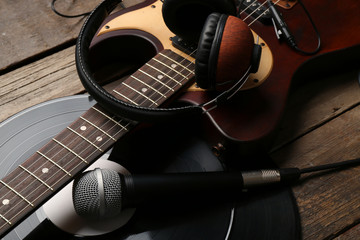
column 321, row 123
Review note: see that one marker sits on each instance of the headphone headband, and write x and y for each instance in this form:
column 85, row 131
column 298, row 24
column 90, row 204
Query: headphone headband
column 106, row 100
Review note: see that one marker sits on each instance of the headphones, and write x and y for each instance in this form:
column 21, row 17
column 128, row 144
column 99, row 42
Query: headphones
column 216, row 67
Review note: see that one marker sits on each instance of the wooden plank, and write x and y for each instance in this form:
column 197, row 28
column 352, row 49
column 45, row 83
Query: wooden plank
column 316, row 102
column 21, row 37
column 28, row 29
column 327, row 203
column 48, row 78
column 352, row 233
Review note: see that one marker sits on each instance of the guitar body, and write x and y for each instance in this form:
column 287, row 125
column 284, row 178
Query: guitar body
column 247, row 120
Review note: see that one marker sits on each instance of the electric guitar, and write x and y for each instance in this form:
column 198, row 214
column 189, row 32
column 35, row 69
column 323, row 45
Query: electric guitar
column 248, row 118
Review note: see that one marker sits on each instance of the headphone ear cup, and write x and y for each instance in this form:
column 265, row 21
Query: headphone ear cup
column 186, row 18
column 208, row 50
column 224, row 52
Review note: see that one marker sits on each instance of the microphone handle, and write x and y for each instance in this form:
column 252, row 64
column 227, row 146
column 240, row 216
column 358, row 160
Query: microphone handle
column 141, row 188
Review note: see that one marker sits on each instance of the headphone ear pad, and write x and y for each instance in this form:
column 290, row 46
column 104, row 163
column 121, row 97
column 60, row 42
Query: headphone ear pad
column 208, row 50
column 224, row 52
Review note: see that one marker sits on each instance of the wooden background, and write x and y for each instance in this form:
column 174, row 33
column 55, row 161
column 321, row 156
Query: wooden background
column 321, row 124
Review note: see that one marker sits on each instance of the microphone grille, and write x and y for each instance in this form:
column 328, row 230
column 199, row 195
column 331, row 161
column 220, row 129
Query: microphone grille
column 97, row 196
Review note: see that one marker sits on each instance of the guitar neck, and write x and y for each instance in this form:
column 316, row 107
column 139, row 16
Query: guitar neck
column 29, row 185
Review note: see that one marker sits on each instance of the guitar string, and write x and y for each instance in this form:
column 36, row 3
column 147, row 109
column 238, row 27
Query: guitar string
column 169, row 79
column 244, row 8
column 35, row 180
column 68, row 153
column 250, row 14
column 108, row 140
column 57, row 170
column 144, row 100
column 185, row 58
column 253, row 12
column 70, row 142
column 64, row 156
column 168, row 72
column 261, row 14
column 183, row 68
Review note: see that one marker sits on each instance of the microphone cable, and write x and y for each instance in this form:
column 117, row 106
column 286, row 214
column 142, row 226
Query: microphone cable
column 291, row 175
column 331, row 166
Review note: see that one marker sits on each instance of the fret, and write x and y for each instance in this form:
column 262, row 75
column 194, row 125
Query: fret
column 57, row 165
column 140, row 93
column 164, row 74
column 67, row 148
column 6, row 220
column 147, row 85
column 32, row 174
column 111, row 119
column 98, row 128
column 184, row 64
column 178, row 63
column 18, row 194
column 87, row 140
column 172, row 68
column 157, row 80
column 125, row 97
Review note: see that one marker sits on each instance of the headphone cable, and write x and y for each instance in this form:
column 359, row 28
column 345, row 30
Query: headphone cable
column 64, row 15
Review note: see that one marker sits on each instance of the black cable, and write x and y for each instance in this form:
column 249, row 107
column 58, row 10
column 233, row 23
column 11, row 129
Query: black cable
column 330, row 166
column 64, row 15
column 315, row 29
column 291, row 175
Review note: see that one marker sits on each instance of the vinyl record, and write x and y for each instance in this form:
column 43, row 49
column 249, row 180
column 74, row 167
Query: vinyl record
column 263, row 214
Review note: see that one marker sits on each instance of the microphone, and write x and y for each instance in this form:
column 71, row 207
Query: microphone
column 103, row 193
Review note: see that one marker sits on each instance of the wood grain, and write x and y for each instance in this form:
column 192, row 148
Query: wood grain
column 316, row 102
column 29, row 29
column 328, row 203
column 351, row 234
column 48, row 78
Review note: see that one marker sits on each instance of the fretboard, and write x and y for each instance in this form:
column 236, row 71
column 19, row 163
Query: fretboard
column 157, row 80
column 29, row 185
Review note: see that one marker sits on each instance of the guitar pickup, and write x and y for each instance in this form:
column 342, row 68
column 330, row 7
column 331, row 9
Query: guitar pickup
column 184, row 46
column 257, row 10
